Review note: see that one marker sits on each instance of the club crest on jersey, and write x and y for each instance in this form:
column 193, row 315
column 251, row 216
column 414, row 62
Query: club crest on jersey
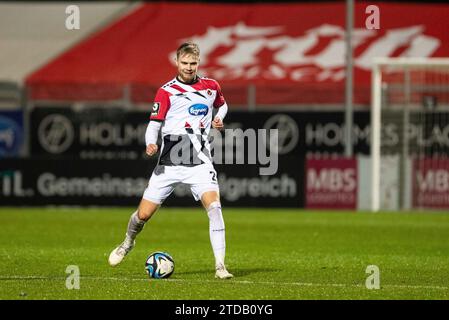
column 209, row 92
column 155, row 110
column 198, row 110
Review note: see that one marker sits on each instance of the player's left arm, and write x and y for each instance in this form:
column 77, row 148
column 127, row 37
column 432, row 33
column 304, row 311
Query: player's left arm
column 222, row 106
column 217, row 123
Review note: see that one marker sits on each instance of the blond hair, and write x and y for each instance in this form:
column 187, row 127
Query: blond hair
column 188, row 47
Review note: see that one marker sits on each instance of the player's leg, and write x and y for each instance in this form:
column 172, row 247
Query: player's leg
column 204, row 186
column 211, row 202
column 139, row 218
column 160, row 186
column 135, row 224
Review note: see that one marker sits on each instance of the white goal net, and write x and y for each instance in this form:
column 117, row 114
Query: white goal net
column 410, row 134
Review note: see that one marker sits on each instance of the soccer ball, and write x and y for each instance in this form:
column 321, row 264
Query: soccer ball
column 159, row 265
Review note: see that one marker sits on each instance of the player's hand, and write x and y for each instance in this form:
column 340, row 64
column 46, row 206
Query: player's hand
column 152, row 149
column 217, row 123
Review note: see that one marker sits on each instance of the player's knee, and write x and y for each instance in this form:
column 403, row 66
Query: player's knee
column 214, row 211
column 146, row 213
column 214, row 205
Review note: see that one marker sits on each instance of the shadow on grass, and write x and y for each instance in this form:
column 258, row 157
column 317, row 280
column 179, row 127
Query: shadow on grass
column 236, row 272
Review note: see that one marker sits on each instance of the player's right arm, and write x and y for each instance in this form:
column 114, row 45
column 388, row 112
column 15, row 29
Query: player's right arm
column 151, row 136
column 152, row 149
column 158, row 113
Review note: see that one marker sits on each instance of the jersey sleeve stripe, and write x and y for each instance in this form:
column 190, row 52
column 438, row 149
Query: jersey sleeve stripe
column 177, row 87
column 172, row 91
column 187, row 88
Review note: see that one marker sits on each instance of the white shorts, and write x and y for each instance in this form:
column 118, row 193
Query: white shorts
column 200, row 178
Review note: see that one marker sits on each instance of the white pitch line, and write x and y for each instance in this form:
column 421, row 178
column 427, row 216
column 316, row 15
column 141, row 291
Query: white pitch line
column 274, row 283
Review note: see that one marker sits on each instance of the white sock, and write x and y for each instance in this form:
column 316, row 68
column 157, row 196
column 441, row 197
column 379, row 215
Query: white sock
column 135, row 225
column 217, row 232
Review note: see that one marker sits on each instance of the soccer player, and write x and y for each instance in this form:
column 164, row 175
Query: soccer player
column 182, row 112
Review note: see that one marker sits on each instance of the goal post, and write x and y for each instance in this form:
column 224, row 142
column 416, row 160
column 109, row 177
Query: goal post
column 409, row 104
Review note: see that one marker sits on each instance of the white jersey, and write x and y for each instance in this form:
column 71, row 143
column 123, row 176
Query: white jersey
column 185, row 111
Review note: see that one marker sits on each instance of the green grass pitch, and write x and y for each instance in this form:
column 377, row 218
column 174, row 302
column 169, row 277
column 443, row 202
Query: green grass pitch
column 273, row 254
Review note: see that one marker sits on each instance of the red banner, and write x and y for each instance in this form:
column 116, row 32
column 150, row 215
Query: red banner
column 292, row 53
column 331, row 184
column 431, row 183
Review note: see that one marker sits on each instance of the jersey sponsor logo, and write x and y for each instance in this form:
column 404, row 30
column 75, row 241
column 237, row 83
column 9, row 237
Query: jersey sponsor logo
column 155, row 110
column 198, row 109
